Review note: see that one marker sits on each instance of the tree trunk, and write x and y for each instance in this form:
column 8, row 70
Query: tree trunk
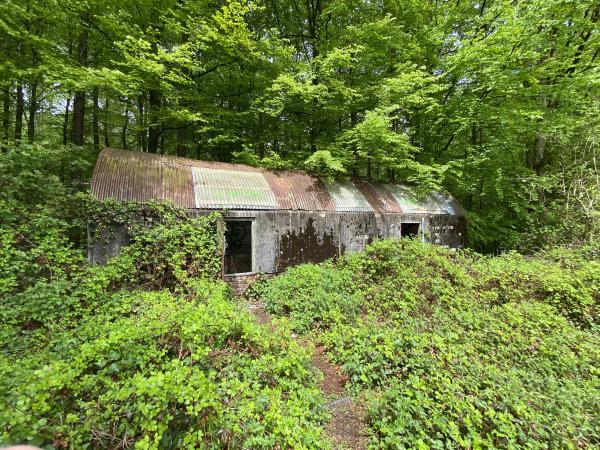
column 66, row 122
column 19, row 113
column 154, row 128
column 539, row 152
column 539, row 148
column 353, row 122
column 476, row 140
column 142, row 144
column 391, row 174
column 154, row 101
column 125, row 125
column 314, row 9
column 182, row 131
column 105, row 125
column 95, row 120
column 182, row 141
column 78, row 118
column 313, row 133
column 6, row 113
column 32, row 111
column 79, row 101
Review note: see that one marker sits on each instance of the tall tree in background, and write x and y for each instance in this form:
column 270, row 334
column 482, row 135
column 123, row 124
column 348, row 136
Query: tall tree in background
column 78, row 130
column 482, row 98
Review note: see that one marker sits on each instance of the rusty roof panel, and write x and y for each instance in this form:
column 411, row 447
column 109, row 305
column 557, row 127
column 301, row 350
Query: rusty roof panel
column 134, row 176
column 281, row 187
column 377, row 196
column 299, row 191
column 348, row 197
column 323, row 195
column 231, row 189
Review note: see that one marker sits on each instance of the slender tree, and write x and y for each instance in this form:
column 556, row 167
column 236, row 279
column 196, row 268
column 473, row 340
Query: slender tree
column 65, row 128
column 78, row 131
column 96, row 118
column 105, row 124
column 33, row 88
column 20, row 108
column 6, row 113
column 154, row 103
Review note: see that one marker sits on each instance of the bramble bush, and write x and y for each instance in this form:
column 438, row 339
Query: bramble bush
column 457, row 350
column 322, row 295
column 154, row 370
column 148, row 351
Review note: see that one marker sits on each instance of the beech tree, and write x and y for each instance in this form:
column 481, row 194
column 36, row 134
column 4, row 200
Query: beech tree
column 487, row 99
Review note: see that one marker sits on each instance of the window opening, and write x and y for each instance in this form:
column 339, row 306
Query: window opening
column 409, row 229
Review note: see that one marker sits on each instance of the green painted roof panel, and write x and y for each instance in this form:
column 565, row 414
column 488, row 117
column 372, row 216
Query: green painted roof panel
column 230, row 189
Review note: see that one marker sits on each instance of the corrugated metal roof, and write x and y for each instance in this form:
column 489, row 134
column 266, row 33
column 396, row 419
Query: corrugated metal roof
column 449, row 204
column 433, row 203
column 411, row 202
column 298, row 190
column 134, row 176
column 231, row 189
column 348, row 197
column 126, row 176
column 378, row 197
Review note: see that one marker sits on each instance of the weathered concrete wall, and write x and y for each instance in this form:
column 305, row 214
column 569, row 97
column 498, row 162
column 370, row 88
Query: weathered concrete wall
column 281, row 239
column 304, row 237
column 448, row 231
column 107, row 245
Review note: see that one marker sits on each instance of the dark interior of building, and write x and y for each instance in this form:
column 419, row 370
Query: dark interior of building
column 238, row 246
column 409, row 229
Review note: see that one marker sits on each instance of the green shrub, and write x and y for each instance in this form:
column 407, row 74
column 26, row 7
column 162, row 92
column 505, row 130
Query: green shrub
column 405, row 277
column 457, row 350
column 517, row 376
column 570, row 286
column 167, row 255
column 160, row 371
column 171, row 254
column 40, row 228
column 313, row 295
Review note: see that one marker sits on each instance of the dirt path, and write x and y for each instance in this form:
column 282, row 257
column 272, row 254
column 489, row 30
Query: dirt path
column 347, row 427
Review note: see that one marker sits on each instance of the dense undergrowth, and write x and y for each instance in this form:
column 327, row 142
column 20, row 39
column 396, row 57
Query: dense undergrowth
column 456, row 350
column 449, row 349
column 149, row 351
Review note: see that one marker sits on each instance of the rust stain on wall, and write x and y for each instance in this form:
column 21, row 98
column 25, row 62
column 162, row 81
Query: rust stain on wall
column 305, row 246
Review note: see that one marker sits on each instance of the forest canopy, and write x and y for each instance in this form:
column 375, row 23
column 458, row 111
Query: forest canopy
column 496, row 101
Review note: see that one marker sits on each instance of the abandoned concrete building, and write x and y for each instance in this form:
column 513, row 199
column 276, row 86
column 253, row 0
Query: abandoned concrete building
column 275, row 219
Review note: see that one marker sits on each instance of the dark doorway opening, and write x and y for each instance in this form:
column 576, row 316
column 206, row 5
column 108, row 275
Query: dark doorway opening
column 409, row 229
column 238, row 246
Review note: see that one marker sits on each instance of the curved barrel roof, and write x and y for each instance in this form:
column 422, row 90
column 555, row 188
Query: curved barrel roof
column 135, row 176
